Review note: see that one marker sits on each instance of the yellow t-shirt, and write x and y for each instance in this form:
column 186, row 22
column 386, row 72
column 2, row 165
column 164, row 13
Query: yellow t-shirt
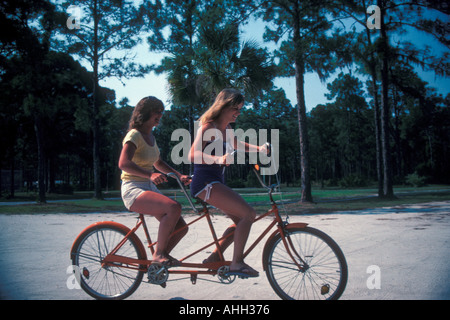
column 145, row 155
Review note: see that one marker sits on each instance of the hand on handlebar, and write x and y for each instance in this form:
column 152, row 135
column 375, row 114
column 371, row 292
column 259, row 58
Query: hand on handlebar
column 265, row 148
column 226, row 159
column 186, row 179
column 158, row 178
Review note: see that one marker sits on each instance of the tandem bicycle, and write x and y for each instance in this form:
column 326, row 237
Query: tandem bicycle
column 300, row 262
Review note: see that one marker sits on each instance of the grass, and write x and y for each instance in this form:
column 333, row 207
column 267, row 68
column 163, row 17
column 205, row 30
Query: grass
column 326, row 200
column 347, row 204
column 70, row 206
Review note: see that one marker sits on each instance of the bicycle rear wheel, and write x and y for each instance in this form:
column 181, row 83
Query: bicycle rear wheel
column 323, row 273
column 107, row 282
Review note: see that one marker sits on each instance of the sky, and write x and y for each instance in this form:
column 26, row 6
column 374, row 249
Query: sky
column 156, row 85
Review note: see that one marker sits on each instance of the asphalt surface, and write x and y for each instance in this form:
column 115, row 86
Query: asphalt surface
column 406, row 248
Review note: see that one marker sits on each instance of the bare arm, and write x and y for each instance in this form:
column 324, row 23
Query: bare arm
column 128, row 165
column 162, row 166
column 241, row 145
column 196, row 154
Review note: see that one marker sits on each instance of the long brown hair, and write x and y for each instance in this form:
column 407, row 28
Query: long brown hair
column 145, row 108
column 226, row 98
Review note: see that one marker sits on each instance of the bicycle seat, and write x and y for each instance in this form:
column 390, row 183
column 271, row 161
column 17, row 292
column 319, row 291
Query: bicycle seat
column 200, row 201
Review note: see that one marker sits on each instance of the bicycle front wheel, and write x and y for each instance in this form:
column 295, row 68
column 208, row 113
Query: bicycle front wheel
column 319, row 271
column 110, row 282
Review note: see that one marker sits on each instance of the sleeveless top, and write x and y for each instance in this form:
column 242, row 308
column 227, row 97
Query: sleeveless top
column 206, row 174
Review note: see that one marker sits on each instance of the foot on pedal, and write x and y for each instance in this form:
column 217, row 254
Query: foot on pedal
column 243, row 273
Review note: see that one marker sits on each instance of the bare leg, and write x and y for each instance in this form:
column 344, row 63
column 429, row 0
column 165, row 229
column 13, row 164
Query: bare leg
column 175, row 239
column 234, row 205
column 168, row 213
column 223, row 244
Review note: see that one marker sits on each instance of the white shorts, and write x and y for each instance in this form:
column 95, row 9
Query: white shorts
column 130, row 190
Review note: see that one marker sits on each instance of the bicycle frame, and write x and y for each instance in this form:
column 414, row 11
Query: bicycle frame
column 211, row 268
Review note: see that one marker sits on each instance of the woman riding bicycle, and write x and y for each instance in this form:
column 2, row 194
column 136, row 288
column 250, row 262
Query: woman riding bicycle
column 139, row 156
column 208, row 180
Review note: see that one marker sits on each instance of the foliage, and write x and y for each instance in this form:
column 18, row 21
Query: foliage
column 415, row 180
column 109, row 29
column 206, row 53
column 47, row 96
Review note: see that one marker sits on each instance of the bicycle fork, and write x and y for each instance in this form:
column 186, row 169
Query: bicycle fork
column 287, row 241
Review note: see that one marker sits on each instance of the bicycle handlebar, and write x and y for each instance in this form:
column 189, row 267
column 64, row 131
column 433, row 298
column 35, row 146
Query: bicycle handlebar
column 269, row 146
column 174, row 176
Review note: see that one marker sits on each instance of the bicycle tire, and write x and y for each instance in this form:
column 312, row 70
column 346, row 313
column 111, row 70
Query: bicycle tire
column 89, row 249
column 325, row 276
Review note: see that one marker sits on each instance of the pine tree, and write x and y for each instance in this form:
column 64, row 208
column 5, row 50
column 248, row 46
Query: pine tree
column 93, row 32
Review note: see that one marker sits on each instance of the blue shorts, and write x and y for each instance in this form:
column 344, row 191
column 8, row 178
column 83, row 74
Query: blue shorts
column 204, row 177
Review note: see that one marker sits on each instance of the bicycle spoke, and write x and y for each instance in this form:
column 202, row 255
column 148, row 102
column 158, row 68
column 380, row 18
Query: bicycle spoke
column 107, row 280
column 319, row 278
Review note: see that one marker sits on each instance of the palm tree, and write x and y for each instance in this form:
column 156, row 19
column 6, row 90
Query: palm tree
column 223, row 61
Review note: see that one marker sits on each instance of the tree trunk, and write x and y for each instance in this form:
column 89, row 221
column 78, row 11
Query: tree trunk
column 12, row 176
column 388, row 187
column 376, row 116
column 95, row 111
column 303, row 133
column 301, row 110
column 376, row 110
column 41, row 158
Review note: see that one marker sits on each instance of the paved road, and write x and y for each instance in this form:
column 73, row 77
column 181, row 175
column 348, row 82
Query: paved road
column 409, row 247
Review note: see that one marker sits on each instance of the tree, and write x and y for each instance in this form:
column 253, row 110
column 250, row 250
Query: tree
column 389, row 8
column 106, row 29
column 420, row 126
column 364, row 51
column 226, row 62
column 274, row 111
column 205, row 51
column 396, row 17
column 182, row 19
column 341, row 152
column 302, row 27
column 30, row 41
column 351, row 119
